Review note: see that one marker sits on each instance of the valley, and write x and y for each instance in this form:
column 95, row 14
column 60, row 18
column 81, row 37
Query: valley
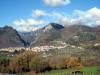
column 52, row 47
column 49, row 37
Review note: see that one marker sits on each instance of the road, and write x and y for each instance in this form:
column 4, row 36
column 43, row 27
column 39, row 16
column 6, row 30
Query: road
column 7, row 74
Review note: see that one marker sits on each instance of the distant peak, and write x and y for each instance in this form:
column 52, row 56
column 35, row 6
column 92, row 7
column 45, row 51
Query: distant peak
column 51, row 26
column 7, row 27
column 56, row 26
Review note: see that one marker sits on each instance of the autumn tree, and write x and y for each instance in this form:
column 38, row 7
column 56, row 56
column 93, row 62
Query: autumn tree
column 74, row 62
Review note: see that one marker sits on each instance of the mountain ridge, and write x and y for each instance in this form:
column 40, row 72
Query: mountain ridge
column 9, row 37
column 45, row 35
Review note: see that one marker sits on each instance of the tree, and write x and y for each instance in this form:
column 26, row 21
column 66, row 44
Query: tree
column 37, row 64
column 74, row 62
column 4, row 62
column 21, row 62
column 56, row 62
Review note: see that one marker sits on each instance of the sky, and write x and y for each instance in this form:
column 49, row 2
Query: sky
column 29, row 15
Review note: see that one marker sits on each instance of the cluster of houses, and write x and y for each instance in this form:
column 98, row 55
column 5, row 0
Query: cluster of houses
column 12, row 49
column 43, row 48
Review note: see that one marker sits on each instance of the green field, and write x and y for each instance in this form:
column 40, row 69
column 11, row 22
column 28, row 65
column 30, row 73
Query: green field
column 86, row 71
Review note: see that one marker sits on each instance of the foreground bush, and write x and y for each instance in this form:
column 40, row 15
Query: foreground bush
column 34, row 62
column 21, row 62
column 28, row 61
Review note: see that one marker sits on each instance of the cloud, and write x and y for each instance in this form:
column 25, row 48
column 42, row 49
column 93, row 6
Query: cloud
column 28, row 22
column 26, row 28
column 56, row 14
column 31, row 24
column 98, row 22
column 64, row 21
column 67, row 22
column 56, row 3
column 39, row 13
column 91, row 16
column 28, row 25
column 57, row 17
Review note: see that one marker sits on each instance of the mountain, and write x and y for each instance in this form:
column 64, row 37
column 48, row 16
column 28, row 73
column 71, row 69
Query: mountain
column 9, row 37
column 76, row 40
column 48, row 33
column 71, row 35
column 28, row 37
column 79, row 33
column 74, row 35
column 51, row 32
column 52, row 26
